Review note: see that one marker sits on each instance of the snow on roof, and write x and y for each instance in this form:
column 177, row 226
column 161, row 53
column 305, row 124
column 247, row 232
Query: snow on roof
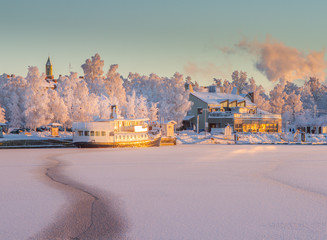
column 55, row 125
column 48, row 84
column 170, row 122
column 188, row 118
column 217, row 98
column 260, row 111
column 48, row 62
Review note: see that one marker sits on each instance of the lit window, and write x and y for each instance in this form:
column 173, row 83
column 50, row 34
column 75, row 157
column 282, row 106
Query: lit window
column 97, row 133
column 103, row 133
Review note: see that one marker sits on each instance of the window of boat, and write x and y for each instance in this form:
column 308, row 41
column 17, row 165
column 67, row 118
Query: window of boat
column 86, row 133
column 124, row 137
column 92, row 133
column 111, row 133
column 127, row 137
column 103, row 133
column 80, row 133
column 97, row 133
column 134, row 136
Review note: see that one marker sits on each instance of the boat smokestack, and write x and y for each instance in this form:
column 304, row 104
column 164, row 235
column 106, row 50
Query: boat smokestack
column 113, row 114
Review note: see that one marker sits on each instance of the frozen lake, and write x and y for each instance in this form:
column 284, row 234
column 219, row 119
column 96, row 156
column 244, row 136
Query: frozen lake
column 178, row 192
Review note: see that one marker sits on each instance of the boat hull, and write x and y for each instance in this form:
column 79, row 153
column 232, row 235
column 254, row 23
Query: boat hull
column 144, row 143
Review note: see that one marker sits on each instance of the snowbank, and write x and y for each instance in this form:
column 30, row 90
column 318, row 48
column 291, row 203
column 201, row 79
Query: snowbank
column 191, row 137
column 35, row 136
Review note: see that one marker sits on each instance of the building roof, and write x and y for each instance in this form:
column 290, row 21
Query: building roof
column 188, row 117
column 49, row 62
column 217, row 98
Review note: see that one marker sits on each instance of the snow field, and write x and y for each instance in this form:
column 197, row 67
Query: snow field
column 178, row 192
column 212, row 192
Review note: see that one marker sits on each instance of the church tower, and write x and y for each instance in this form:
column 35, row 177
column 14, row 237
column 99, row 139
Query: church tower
column 48, row 69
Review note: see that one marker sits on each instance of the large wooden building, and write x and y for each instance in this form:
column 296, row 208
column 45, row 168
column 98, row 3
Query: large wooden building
column 213, row 109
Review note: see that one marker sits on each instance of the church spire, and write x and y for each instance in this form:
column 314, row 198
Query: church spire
column 48, row 69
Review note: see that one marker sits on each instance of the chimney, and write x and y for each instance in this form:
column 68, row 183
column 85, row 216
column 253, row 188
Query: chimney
column 113, row 114
column 251, row 95
column 212, row 89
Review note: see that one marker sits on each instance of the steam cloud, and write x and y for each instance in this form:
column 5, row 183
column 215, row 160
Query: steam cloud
column 280, row 62
column 208, row 71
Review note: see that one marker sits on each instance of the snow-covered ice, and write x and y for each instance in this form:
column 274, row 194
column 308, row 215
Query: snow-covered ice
column 184, row 191
column 27, row 203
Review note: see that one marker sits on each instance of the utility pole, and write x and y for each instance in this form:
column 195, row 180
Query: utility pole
column 199, row 111
column 205, row 120
column 197, row 124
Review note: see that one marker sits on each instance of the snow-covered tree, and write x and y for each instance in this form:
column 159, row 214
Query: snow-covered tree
column 239, row 80
column 114, row 87
column 307, row 99
column 93, row 68
column 153, row 112
column 57, row 108
column 85, row 106
column 293, row 105
column 16, row 111
column 141, row 110
column 13, row 93
column 260, row 97
column 36, row 100
column 104, row 107
column 169, row 93
column 277, row 101
column 174, row 103
column 315, row 88
column 93, row 74
column 131, row 105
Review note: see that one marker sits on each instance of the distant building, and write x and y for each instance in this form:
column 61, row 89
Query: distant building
column 48, row 72
column 218, row 110
column 50, row 80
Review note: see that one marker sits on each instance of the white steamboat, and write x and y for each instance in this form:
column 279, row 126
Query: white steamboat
column 114, row 133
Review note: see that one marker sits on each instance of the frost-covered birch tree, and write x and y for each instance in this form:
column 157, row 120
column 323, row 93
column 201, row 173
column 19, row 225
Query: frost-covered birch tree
column 36, row 100
column 115, row 89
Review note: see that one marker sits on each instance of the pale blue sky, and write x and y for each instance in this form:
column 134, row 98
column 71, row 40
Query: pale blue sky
column 152, row 36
